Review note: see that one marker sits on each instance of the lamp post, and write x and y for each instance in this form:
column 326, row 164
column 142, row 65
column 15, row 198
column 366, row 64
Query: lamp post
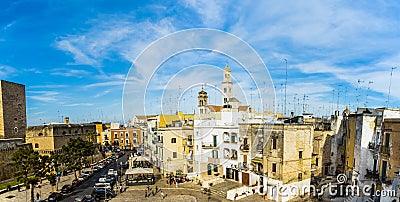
column 284, row 112
column 390, row 85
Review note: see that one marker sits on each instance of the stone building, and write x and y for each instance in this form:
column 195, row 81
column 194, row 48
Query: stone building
column 126, row 138
column 389, row 152
column 284, row 161
column 51, row 137
column 12, row 110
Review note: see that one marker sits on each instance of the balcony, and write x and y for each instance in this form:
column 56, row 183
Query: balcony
column 373, row 146
column 208, row 146
column 213, row 160
column 385, row 150
column 244, row 147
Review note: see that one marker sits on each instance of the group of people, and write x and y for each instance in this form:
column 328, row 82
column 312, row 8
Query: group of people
column 177, row 180
column 152, row 192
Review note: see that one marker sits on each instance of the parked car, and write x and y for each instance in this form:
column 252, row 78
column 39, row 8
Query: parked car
column 55, row 197
column 83, row 177
column 86, row 198
column 89, row 173
column 96, row 169
column 67, row 189
column 102, row 185
column 76, row 182
column 102, row 193
column 102, row 178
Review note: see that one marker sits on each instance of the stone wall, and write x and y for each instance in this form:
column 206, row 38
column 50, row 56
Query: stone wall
column 12, row 110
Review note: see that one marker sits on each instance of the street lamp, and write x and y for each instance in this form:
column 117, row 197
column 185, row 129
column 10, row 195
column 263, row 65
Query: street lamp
column 390, row 85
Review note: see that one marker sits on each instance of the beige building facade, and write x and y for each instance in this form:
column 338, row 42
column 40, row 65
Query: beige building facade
column 51, row 137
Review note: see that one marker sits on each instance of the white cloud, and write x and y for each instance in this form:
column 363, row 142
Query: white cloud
column 211, row 11
column 109, row 35
column 6, row 71
column 78, row 73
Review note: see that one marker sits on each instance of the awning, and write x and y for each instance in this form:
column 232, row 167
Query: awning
column 135, row 171
column 140, row 158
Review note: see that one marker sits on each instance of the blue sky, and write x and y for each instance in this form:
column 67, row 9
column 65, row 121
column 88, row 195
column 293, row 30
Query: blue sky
column 73, row 56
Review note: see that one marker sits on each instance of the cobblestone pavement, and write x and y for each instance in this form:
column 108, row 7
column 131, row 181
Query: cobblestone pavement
column 184, row 192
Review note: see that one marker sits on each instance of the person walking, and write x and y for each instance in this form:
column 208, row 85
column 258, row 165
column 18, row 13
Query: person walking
column 120, row 188
column 145, row 193
column 162, row 195
column 37, row 196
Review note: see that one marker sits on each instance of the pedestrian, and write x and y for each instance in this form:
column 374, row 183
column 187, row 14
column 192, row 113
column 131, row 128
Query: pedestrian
column 156, row 189
column 19, row 188
column 120, row 188
column 162, row 195
column 145, row 193
column 37, row 195
column 236, row 195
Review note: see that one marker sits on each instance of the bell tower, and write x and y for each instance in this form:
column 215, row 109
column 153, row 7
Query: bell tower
column 203, row 101
column 227, row 86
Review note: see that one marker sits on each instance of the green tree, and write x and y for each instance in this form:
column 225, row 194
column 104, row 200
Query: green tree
column 30, row 167
column 52, row 166
column 75, row 152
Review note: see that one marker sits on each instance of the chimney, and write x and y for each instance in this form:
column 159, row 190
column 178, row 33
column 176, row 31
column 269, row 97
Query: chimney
column 66, row 120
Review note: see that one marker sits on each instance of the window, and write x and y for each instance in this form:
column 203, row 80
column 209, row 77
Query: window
column 226, row 153
column 36, row 145
column 134, row 134
column 226, row 137
column 215, row 168
column 234, row 154
column 300, row 154
column 274, row 143
column 173, row 140
column 215, row 154
column 134, row 141
column 316, row 162
column 122, row 140
column 174, row 155
column 115, row 135
column 300, row 176
column 40, row 134
column 233, row 138
column 127, row 135
column 225, row 90
column 127, row 141
column 122, row 134
column 274, row 167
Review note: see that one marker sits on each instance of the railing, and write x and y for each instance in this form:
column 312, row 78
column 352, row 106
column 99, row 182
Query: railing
column 208, row 146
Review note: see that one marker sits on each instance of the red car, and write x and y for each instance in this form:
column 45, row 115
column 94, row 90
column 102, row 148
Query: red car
column 76, row 182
